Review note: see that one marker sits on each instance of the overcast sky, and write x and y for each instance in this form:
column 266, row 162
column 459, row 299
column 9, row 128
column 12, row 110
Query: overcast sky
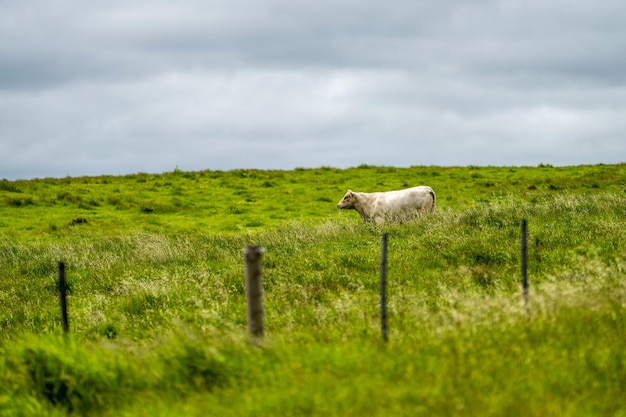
column 117, row 87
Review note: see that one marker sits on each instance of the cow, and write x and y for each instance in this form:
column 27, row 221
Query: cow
column 390, row 206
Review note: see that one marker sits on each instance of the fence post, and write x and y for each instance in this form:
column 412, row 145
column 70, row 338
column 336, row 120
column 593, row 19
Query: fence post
column 383, row 287
column 63, row 297
column 525, row 264
column 254, row 289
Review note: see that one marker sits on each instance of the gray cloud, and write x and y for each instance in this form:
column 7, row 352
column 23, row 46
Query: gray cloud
column 89, row 88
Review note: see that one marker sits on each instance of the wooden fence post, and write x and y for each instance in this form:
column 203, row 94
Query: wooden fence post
column 383, row 287
column 524, row 263
column 63, row 297
column 254, row 289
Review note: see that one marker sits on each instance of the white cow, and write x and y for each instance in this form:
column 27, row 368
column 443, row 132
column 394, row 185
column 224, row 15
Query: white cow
column 390, row 206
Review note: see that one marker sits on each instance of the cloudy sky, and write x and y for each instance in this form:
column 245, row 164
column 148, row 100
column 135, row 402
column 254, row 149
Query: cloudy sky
column 116, row 87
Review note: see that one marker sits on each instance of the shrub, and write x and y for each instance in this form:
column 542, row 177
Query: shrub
column 19, row 201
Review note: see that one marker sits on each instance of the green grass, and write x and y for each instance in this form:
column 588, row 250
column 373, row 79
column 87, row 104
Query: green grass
column 157, row 297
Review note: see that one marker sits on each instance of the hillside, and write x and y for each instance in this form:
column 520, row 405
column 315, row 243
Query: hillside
column 157, row 297
column 248, row 200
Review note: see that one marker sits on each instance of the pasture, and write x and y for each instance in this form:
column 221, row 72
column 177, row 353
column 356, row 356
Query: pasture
column 157, row 297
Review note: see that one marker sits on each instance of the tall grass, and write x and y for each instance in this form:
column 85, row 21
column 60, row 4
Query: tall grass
column 158, row 318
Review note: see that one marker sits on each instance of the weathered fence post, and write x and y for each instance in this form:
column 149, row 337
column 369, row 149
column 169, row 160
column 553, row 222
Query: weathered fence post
column 383, row 287
column 254, row 289
column 525, row 264
column 63, row 297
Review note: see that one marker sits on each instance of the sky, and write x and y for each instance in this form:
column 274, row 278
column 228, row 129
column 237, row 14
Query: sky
column 119, row 87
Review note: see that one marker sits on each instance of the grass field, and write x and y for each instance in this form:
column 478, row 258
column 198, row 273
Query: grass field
column 157, row 297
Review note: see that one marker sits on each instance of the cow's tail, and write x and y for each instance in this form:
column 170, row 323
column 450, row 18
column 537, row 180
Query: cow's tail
column 434, row 197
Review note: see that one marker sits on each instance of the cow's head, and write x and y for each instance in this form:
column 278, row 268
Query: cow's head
column 348, row 200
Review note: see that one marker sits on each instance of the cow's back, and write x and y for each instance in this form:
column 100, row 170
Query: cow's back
column 398, row 204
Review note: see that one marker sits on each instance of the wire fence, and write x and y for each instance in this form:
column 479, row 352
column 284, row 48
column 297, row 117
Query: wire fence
column 253, row 267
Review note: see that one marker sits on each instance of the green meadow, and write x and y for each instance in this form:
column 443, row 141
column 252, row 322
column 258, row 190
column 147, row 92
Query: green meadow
column 157, row 295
